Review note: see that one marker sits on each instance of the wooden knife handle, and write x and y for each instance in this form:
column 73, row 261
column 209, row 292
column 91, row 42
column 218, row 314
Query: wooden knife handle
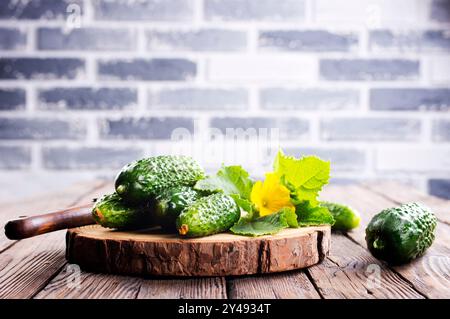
column 36, row 225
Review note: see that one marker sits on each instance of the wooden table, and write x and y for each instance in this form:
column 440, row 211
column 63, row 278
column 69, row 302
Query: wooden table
column 36, row 267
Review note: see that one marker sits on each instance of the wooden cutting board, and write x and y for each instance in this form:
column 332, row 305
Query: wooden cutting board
column 152, row 252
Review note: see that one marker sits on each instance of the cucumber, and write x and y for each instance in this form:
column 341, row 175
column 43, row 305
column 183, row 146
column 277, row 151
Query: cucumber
column 171, row 203
column 145, row 179
column 112, row 212
column 345, row 217
column 399, row 235
column 209, row 215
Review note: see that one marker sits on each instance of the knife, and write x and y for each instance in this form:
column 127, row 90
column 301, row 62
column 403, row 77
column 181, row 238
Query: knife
column 25, row 227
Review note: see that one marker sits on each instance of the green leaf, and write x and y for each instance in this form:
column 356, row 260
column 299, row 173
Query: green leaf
column 306, row 176
column 291, row 216
column 230, row 180
column 247, row 208
column 308, row 215
column 266, row 225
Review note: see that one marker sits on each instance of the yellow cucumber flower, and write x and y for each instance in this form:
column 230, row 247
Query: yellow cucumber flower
column 270, row 196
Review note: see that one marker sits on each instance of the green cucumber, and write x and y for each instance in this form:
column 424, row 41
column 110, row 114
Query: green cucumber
column 171, row 203
column 209, row 215
column 145, row 179
column 112, row 212
column 399, row 235
column 345, row 217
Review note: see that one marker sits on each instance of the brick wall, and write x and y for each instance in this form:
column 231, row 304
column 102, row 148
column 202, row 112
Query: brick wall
column 86, row 86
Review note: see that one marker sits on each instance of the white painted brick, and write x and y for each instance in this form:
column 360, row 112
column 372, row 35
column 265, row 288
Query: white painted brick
column 413, row 159
column 262, row 68
column 440, row 69
column 369, row 13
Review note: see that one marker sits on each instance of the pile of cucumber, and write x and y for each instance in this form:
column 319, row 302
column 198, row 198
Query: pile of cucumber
column 158, row 191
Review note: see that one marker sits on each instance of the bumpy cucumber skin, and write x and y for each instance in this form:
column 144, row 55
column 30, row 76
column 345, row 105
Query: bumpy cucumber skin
column 145, row 179
column 399, row 235
column 171, row 203
column 110, row 211
column 345, row 217
column 209, row 215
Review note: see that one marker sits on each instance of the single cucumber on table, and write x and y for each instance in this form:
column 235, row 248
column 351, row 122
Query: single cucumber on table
column 145, row 179
column 112, row 212
column 345, row 217
column 171, row 203
column 209, row 215
column 399, row 235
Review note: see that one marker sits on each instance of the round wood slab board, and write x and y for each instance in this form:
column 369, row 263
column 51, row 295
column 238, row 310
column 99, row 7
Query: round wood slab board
column 151, row 252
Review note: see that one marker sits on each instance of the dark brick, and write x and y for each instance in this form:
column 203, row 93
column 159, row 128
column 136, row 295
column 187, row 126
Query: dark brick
column 12, row 39
column 89, row 157
column 417, row 41
column 12, row 99
column 369, row 69
column 144, row 10
column 308, row 99
column 410, row 99
column 37, row 9
column 370, row 129
column 98, row 39
column 439, row 187
column 289, row 128
column 144, row 128
column 197, row 40
column 342, row 159
column 40, row 68
column 310, row 40
column 440, row 10
column 148, row 70
column 441, row 130
column 40, row 129
column 14, row 157
column 257, row 10
column 87, row 98
column 198, row 99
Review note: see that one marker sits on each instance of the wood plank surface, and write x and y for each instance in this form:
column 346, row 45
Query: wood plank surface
column 105, row 286
column 351, row 272
column 289, row 285
column 402, row 194
column 428, row 274
column 73, row 283
column 192, row 288
column 36, row 267
column 27, row 266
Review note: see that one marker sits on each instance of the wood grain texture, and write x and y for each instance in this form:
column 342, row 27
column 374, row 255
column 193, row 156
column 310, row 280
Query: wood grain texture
column 289, row 285
column 192, row 288
column 402, row 194
column 351, row 272
column 27, row 266
column 72, row 283
column 151, row 252
column 31, row 268
column 428, row 274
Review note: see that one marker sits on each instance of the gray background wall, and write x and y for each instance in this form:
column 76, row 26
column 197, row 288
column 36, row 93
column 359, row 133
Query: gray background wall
column 364, row 83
